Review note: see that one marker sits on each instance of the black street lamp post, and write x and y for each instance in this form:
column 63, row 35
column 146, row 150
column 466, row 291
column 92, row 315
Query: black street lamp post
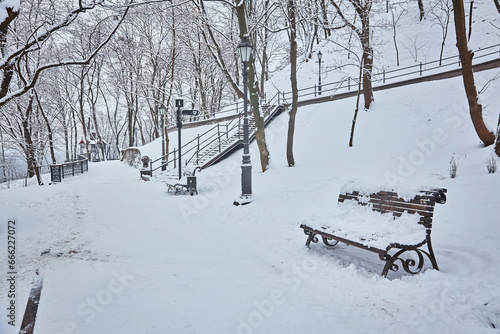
column 162, row 111
column 245, row 49
column 320, row 55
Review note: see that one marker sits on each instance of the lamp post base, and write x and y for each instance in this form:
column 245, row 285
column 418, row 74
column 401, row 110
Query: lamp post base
column 243, row 200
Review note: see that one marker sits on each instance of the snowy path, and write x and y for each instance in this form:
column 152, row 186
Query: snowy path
column 136, row 265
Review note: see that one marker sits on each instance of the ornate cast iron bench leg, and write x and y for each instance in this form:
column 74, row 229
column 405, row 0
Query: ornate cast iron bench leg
column 432, row 257
column 311, row 237
column 410, row 265
column 326, row 242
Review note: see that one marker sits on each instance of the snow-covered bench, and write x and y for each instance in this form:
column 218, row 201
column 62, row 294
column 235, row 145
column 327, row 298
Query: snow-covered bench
column 190, row 187
column 381, row 222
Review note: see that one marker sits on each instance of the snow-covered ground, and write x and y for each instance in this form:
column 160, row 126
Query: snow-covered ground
column 126, row 256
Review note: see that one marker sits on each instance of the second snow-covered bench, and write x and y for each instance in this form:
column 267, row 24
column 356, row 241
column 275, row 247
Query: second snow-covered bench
column 381, row 222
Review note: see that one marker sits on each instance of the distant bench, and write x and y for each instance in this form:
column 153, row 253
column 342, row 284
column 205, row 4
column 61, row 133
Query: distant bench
column 190, row 187
column 380, row 222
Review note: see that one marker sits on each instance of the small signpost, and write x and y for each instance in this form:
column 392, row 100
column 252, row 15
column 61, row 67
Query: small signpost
column 179, row 103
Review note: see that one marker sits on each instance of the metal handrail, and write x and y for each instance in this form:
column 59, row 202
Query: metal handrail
column 208, row 143
column 419, row 68
column 59, row 171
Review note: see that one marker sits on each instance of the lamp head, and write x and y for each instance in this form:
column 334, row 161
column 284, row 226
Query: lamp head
column 162, row 110
column 245, row 49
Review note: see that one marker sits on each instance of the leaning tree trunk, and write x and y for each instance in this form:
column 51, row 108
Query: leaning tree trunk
column 476, row 109
column 293, row 79
column 497, row 4
column 260, row 134
column 8, row 70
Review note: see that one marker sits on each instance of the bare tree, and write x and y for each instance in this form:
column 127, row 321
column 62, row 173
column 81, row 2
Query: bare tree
column 362, row 9
column 37, row 37
column 441, row 14
column 292, row 35
column 395, row 19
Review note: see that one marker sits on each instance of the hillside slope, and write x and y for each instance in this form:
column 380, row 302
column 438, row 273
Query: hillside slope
column 126, row 256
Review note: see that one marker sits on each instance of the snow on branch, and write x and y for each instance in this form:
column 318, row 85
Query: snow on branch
column 23, row 50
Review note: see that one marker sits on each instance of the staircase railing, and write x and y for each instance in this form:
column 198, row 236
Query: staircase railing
column 214, row 138
column 347, row 83
column 215, row 141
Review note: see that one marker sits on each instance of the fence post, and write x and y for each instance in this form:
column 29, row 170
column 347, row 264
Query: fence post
column 314, row 90
column 175, row 160
column 198, row 149
column 73, row 169
column 459, row 61
column 349, row 83
column 383, row 73
column 218, row 135
column 420, row 68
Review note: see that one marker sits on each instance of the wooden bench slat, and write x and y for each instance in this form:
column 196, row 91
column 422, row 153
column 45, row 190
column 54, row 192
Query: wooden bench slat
column 430, row 201
column 399, row 205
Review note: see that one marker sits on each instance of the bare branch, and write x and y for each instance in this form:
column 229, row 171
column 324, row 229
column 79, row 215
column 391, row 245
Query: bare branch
column 29, row 85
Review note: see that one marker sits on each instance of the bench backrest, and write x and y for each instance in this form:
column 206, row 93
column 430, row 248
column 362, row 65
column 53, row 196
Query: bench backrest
column 387, row 201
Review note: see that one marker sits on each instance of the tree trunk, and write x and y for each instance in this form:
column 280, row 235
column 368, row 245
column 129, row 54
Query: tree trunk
column 497, row 145
column 264, row 74
column 476, row 109
column 3, row 163
column 421, row 8
column 293, row 79
column 367, row 55
column 49, row 130
column 29, row 148
column 82, row 110
column 8, row 71
column 367, row 76
column 497, row 4
column 260, row 134
column 75, row 143
column 325, row 20
column 355, row 117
